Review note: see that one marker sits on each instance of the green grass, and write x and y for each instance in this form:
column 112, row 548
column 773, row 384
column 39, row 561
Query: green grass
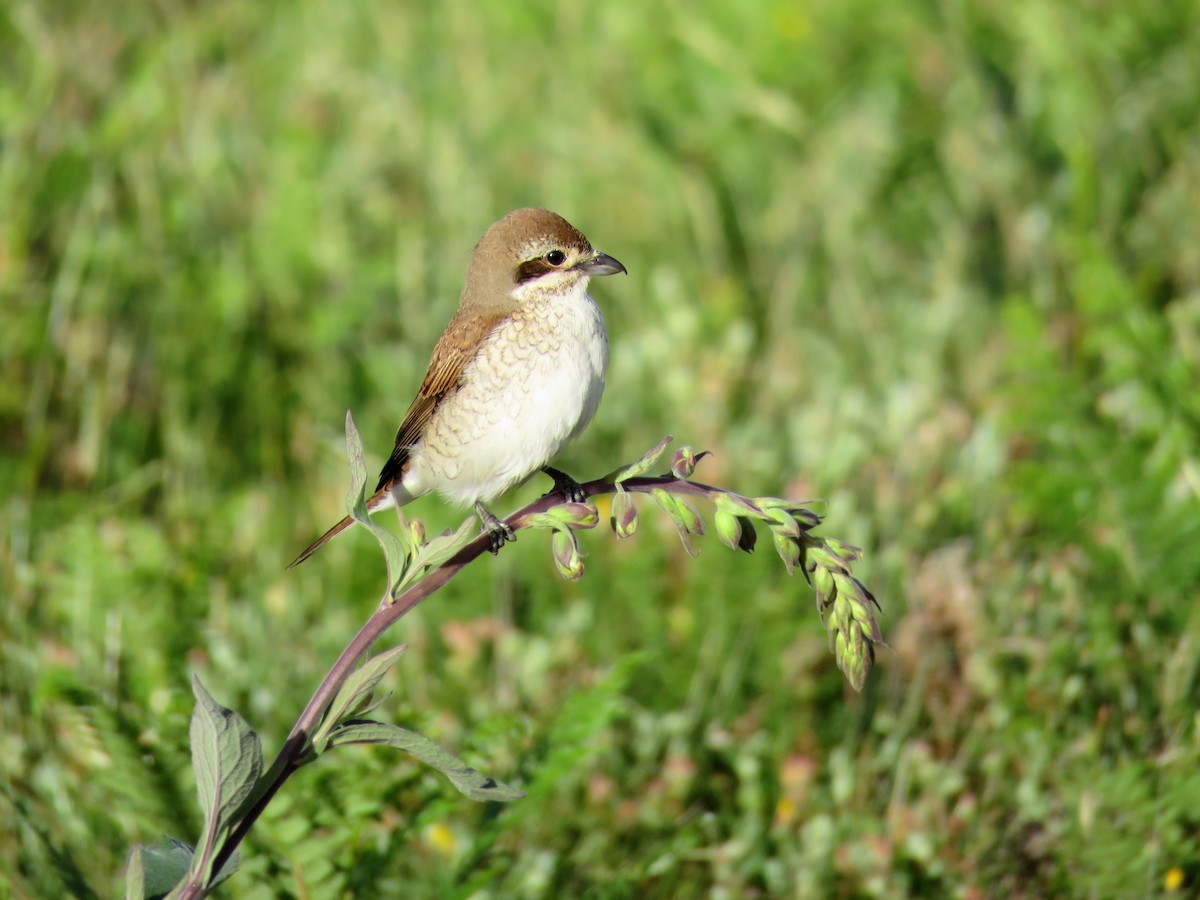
column 935, row 263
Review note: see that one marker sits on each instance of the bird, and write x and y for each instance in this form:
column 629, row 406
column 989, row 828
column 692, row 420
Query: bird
column 517, row 374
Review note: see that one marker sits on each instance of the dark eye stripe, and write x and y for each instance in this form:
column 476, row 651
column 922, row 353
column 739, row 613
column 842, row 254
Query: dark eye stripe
column 532, row 268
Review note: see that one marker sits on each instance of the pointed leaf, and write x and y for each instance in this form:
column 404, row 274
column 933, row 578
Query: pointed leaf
column 161, row 866
column 468, row 781
column 226, row 752
column 228, row 761
column 436, row 552
column 135, row 874
column 645, row 464
column 155, row 871
column 355, row 694
column 396, row 552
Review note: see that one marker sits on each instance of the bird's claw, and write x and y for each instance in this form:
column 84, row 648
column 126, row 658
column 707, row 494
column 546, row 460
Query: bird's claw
column 564, row 484
column 498, row 533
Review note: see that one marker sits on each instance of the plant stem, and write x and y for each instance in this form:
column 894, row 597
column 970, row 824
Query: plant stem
column 294, row 752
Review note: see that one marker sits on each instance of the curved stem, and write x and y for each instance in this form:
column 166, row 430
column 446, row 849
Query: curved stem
column 294, row 752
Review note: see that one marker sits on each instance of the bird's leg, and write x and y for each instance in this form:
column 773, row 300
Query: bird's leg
column 499, row 533
column 566, row 485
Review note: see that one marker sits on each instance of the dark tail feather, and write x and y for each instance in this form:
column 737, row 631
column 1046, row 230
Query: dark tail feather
column 322, row 541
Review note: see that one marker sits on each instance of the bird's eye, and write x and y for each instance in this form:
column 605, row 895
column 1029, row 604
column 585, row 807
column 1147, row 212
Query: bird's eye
column 556, row 257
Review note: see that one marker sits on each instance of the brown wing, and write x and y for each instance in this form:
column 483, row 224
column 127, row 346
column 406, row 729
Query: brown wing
column 457, row 347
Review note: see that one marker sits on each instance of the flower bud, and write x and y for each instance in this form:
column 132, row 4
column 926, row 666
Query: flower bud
column 788, row 550
column 624, row 518
column 729, row 528
column 848, row 552
column 566, row 555
column 822, row 582
column 683, row 463
column 782, row 522
column 416, row 528
column 576, row 515
column 749, row 535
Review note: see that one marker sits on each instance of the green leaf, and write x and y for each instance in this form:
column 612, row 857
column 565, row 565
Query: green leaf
column 228, row 761
column 164, row 864
column 135, row 874
column 354, row 697
column 643, row 465
column 436, row 552
column 155, row 871
column 396, row 552
column 468, row 781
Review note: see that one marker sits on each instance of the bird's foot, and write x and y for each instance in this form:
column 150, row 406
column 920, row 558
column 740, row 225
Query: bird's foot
column 498, row 533
column 566, row 485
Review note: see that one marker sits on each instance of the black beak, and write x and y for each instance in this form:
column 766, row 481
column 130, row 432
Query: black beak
column 603, row 264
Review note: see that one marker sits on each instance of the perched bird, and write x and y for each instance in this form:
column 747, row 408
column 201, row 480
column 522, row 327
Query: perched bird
column 517, row 374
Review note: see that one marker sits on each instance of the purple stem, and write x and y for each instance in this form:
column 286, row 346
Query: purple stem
column 294, row 753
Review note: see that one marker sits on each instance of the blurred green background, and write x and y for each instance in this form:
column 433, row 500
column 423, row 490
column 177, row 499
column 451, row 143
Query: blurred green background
column 937, row 263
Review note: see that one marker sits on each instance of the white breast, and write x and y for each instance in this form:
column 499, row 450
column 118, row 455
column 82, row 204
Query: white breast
column 534, row 385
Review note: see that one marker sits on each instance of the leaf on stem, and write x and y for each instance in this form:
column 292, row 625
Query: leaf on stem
column 468, row 781
column 643, row 465
column 397, row 552
column 433, row 554
column 153, row 871
column 228, row 761
column 354, row 697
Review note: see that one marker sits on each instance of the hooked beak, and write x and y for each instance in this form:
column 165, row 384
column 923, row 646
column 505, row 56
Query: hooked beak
column 602, row 264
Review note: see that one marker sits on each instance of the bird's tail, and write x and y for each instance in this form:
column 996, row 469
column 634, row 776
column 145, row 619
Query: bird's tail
column 322, row 541
column 373, row 503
